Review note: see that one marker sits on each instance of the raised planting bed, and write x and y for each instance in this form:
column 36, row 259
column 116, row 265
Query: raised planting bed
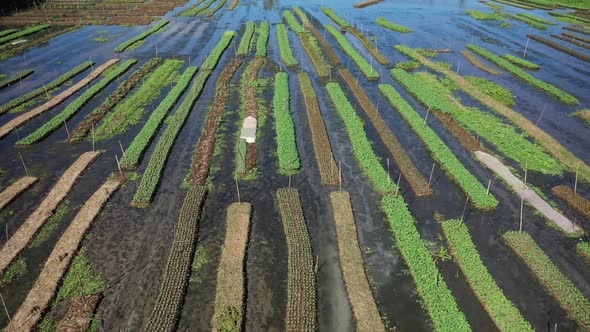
column 476, row 14
column 382, row 21
column 573, row 41
column 523, row 75
column 263, row 31
column 80, row 313
column 536, row 18
column 521, row 62
column 416, row 181
column 366, row 3
column 436, row 297
column 25, row 233
column 192, row 10
column 334, row 17
column 151, row 176
column 123, row 46
column 46, row 285
column 368, row 161
column 533, row 23
column 230, row 291
column 76, row 105
column 22, row 33
column 92, row 119
column 319, row 136
column 558, row 285
column 559, row 47
column 18, row 121
column 15, row 78
column 141, row 141
column 233, row 5
column 45, row 88
column 15, row 189
column 288, row 155
column 326, row 47
column 311, row 46
column 469, row 142
column 361, row 62
column 478, row 63
column 440, row 152
column 168, row 305
column 285, row 47
column 515, row 3
column 359, row 293
column 301, row 282
column 199, row 10
column 576, row 37
column 211, row 11
column 583, row 114
column 501, row 310
column 573, row 199
column 244, row 47
column 130, row 111
column 207, row 142
column 578, row 30
column 292, row 22
column 575, row 18
column 567, row 159
column 7, row 32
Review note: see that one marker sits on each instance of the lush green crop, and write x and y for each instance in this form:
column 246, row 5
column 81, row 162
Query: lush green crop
column 292, row 21
column 122, row 47
column 263, row 34
column 244, row 47
column 80, row 280
column 7, row 32
column 430, row 285
column 440, row 151
column 583, row 249
column 143, row 139
column 573, row 18
column 284, row 47
column 558, row 285
column 58, row 120
column 285, row 128
column 535, row 24
column 382, row 21
column 15, row 78
column 371, row 165
column 521, row 62
column 212, row 11
column 195, row 9
column 337, row 19
column 504, row 314
column 492, row 89
column 301, row 15
column 505, row 64
column 408, row 65
column 363, row 64
column 476, row 14
column 45, row 88
column 535, row 18
column 23, row 33
column 214, row 56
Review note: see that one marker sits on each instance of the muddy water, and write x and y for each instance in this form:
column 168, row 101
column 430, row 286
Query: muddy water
column 129, row 246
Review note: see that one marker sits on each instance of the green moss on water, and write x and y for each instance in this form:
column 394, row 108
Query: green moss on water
column 47, row 325
column 16, row 270
column 51, row 226
column 408, row 65
column 201, row 259
column 80, row 279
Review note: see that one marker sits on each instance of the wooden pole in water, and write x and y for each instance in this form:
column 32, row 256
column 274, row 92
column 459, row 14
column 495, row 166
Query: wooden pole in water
column 238, row 189
column 118, row 165
column 488, row 190
column 526, row 46
column 464, row 208
column 67, row 130
column 426, row 116
column 399, row 178
column 6, row 310
column 23, row 161
column 92, row 136
column 122, row 151
column 576, row 180
column 340, row 174
column 431, row 172
column 540, row 116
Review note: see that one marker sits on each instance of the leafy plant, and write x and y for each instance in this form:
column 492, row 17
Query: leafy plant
column 285, row 128
column 292, row 21
column 244, row 47
column 583, row 249
column 382, row 21
column 263, row 34
column 284, row 47
column 476, row 14
column 123, row 46
column 408, row 65
column 337, row 19
column 80, row 279
column 363, row 64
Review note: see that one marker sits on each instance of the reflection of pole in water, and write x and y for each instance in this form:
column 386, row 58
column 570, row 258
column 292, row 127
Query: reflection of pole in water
column 526, row 46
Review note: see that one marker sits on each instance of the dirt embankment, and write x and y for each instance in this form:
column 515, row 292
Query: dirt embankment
column 15, row 189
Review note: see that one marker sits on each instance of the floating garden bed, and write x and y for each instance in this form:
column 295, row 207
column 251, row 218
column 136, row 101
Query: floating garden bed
column 15, row 78
column 285, row 47
column 521, row 62
column 361, row 62
column 573, row 199
column 160, row 25
column 560, row 47
column 287, row 152
column 244, row 47
column 15, row 189
column 478, row 63
column 23, row 33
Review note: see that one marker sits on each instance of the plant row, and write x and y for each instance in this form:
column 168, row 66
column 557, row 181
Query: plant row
column 382, row 21
column 212, row 11
column 301, row 282
column 334, row 17
column 369, row 46
column 533, row 23
column 319, row 136
column 583, row 248
column 22, row 33
column 560, row 47
column 571, row 40
column 7, row 32
column 285, row 47
column 17, row 77
column 289, row 162
column 192, row 10
column 476, row 14
column 10, row 193
column 311, row 46
column 244, row 47
column 371, row 165
column 536, row 18
column 301, row 15
column 123, row 46
column 436, row 297
column 576, row 18
column 45, row 88
column 478, row 63
column 110, row 102
column 261, row 43
column 216, row 53
column 490, row 88
column 168, row 305
column 440, row 151
column 292, row 21
column 130, row 112
column 75, row 106
column 558, row 285
column 573, row 199
column 503, row 312
column 142, row 140
column 199, row 10
column 361, row 62
column 505, row 64
column 515, row 145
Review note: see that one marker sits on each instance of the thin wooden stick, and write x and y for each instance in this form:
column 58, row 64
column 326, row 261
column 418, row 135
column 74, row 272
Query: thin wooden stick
column 23, row 161
column 6, row 310
column 431, row 173
column 118, row 165
column 238, row 189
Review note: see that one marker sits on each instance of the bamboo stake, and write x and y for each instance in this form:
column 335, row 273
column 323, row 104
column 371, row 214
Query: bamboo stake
column 6, row 310
column 238, row 189
column 431, row 173
column 399, row 177
column 122, row 151
column 488, row 190
column 464, row 208
column 24, row 165
column 118, row 165
column 67, row 130
column 576, row 180
column 426, row 116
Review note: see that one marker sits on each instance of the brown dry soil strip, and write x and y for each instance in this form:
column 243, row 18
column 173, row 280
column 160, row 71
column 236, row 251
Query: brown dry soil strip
column 301, row 283
column 39, row 297
column 319, row 136
column 359, row 293
column 166, row 311
column 464, row 137
column 95, row 116
column 366, row 3
column 416, row 181
column 21, row 119
column 572, row 40
column 229, row 298
column 369, row 46
column 568, row 159
column 79, row 314
column 578, row 30
column 251, row 106
column 15, row 189
column 576, row 37
column 574, row 200
column 559, row 47
column 333, row 58
column 206, row 145
column 478, row 63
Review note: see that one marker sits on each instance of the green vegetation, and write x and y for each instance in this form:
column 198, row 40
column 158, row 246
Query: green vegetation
column 45, row 88
column 558, row 285
column 535, row 18
column 505, row 64
column 490, row 88
column 440, row 151
column 392, row 26
column 535, row 24
column 436, row 297
column 130, row 111
column 142, row 140
column 361, row 62
column 261, row 43
column 572, row 18
column 286, row 141
column 284, row 47
column 15, row 78
column 337, row 19
column 408, row 65
column 583, row 249
column 75, row 106
column 122, row 47
column 23, row 33
column 301, row 15
column 371, row 165
column 504, row 314
column 216, row 53
column 7, row 32
column 493, row 5
column 212, row 11
column 521, row 62
column 583, row 114
column 292, row 21
column 16, row 270
column 476, row 14
column 80, row 280
column 244, row 47
column 51, row 225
